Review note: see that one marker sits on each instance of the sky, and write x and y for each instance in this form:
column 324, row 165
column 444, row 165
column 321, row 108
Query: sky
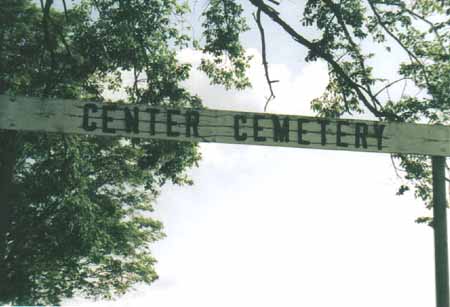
column 268, row 226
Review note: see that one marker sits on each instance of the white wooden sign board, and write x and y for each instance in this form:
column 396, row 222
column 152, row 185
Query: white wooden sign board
column 205, row 125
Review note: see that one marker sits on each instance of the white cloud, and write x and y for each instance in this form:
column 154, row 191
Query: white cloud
column 293, row 92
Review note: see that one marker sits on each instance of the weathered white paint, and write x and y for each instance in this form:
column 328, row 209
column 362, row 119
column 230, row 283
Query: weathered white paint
column 91, row 118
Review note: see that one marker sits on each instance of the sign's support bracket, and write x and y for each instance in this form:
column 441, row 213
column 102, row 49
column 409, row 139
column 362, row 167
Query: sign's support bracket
column 440, row 232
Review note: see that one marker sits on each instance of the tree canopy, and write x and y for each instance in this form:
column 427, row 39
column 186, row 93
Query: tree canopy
column 351, row 36
column 74, row 211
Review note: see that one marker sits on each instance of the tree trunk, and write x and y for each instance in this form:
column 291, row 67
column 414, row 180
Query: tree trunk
column 8, row 155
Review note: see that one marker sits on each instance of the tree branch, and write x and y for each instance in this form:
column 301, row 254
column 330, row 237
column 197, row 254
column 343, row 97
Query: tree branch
column 257, row 18
column 428, row 22
column 274, row 15
column 45, row 23
column 62, row 37
column 409, row 52
column 395, row 167
column 65, row 10
column 356, row 50
column 389, row 85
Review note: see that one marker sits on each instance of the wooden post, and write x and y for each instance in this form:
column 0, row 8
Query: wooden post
column 440, row 232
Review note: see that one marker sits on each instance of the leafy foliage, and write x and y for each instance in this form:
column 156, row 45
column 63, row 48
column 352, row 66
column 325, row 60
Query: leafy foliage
column 228, row 62
column 420, row 30
column 75, row 210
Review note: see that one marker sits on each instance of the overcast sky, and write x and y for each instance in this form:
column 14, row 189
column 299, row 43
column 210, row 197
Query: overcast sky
column 267, row 226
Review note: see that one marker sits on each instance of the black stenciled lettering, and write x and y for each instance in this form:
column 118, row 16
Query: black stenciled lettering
column 340, row 134
column 132, row 120
column 153, row 113
column 361, row 133
column 237, row 135
column 280, row 133
column 170, row 123
column 323, row 130
column 257, row 128
column 106, row 119
column 301, row 132
column 192, row 121
column 86, row 108
column 379, row 130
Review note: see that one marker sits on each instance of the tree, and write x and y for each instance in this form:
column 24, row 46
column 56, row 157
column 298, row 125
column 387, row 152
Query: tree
column 74, row 210
column 419, row 30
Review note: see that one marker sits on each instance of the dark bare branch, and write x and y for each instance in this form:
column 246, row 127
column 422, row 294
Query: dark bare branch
column 62, row 37
column 396, row 169
column 412, row 56
column 355, row 48
column 257, row 18
column 404, row 89
column 65, row 10
column 389, row 85
column 274, row 15
column 428, row 22
column 47, row 40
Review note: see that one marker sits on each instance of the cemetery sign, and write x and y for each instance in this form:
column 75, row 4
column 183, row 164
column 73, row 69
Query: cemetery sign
column 205, row 125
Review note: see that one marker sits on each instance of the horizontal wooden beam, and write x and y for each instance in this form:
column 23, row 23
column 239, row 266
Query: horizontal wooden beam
column 205, row 125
